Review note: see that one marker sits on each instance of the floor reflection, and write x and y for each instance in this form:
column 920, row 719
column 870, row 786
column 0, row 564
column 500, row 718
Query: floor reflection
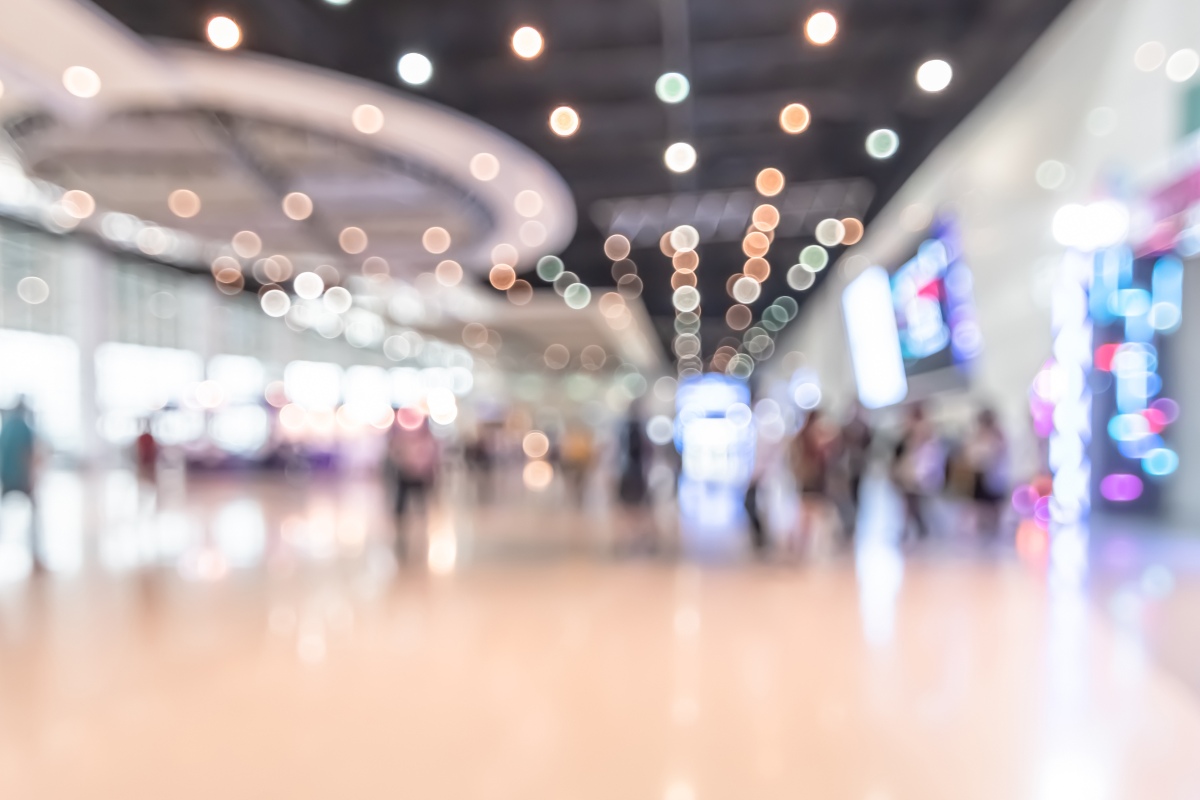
column 257, row 637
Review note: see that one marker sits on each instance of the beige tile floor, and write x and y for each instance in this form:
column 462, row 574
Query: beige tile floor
column 257, row 640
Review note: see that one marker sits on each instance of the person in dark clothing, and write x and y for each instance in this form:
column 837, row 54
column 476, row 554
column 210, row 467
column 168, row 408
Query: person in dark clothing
column 633, row 489
column 856, row 448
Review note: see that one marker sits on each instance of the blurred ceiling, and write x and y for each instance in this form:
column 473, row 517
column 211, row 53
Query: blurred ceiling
column 745, row 62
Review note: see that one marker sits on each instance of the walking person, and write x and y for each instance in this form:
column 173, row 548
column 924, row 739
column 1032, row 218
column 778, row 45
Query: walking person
column 812, row 454
column 856, row 450
column 413, row 455
column 986, row 455
column 18, row 456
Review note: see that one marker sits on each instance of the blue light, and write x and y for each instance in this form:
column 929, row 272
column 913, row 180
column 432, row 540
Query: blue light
column 1129, row 302
column 1140, row 448
column 1160, row 461
column 1128, row 427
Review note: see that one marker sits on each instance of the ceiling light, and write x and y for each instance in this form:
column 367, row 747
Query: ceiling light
column 81, row 82
column 616, row 247
column 436, row 240
column 821, row 27
column 882, row 143
column 680, row 157
column 414, row 69
column 769, row 182
column 484, row 166
column 934, row 75
column 1150, row 56
column 78, row 203
column 367, row 119
column 564, row 121
column 672, row 87
column 224, row 33
column 794, row 118
column 448, row 273
column 297, row 205
column 1182, row 65
column 528, row 203
column 184, row 203
column 246, row 244
column 830, row 232
column 353, row 240
column 527, row 42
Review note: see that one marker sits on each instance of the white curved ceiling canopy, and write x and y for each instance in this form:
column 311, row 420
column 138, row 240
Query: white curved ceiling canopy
column 243, row 131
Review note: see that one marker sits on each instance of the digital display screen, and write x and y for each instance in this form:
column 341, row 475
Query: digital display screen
column 932, row 300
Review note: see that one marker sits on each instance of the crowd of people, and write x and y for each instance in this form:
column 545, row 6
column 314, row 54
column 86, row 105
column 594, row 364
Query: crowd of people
column 829, row 462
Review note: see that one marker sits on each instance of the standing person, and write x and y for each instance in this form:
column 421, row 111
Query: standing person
column 414, row 458
column 578, row 453
column 986, row 454
column 146, row 454
column 633, row 489
column 856, row 448
column 917, row 469
column 18, row 451
column 812, row 454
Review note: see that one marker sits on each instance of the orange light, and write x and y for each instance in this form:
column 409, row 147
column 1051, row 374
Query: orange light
column 756, row 244
column 564, row 121
column 769, row 182
column 853, row 231
column 686, row 261
column 502, row 276
column 794, row 118
column 679, row 279
column 765, row 217
column 757, row 268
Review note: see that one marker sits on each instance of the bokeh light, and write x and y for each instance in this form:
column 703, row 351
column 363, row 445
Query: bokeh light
column 799, row 277
column 814, row 258
column 672, row 87
column 680, row 157
column 484, row 167
column 755, row 243
column 505, row 253
column 33, row 290
column 537, row 475
column 246, row 244
column 78, row 203
column 564, row 121
column 685, row 237
column 821, row 28
column 852, row 231
column 223, row 33
column 746, row 290
column 81, row 82
column 738, row 317
column 769, row 182
column 297, row 205
column 830, row 232
column 882, row 143
column 184, row 203
column 414, row 69
column 934, row 75
column 435, row 240
column 353, row 240
column 685, row 261
column 527, row 42
column 367, row 119
column 556, row 356
column 765, row 217
column 757, row 268
column 795, row 118
column 616, row 247
column 528, row 203
column 502, row 276
column 535, row 444
column 549, row 268
column 577, row 296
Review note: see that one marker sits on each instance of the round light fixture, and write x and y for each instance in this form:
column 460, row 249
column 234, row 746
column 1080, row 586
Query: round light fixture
column 882, row 143
column 795, row 118
column 821, row 28
column 934, row 75
column 527, row 42
column 672, row 87
column 414, row 69
column 224, row 33
column 564, row 121
column 680, row 157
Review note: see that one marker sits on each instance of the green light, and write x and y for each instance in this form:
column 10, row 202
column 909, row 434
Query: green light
column 671, row 87
column 882, row 143
column 549, row 267
column 577, row 295
column 814, row 258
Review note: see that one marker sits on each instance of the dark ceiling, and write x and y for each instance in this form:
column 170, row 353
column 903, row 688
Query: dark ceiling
column 745, row 60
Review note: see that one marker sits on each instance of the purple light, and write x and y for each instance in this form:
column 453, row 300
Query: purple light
column 1041, row 510
column 1121, row 488
column 1168, row 408
column 1023, row 500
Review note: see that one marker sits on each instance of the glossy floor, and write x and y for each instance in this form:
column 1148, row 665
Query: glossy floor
column 251, row 638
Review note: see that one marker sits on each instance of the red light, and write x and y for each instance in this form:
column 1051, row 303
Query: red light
column 1156, row 419
column 1104, row 357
